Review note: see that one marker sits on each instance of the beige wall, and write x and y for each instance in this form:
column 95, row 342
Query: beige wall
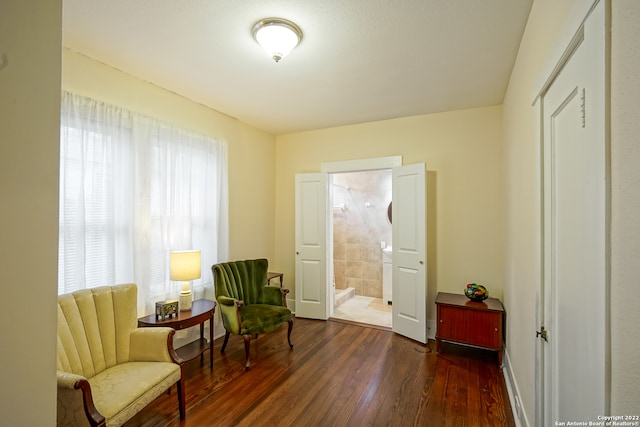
column 251, row 151
column 463, row 153
column 30, row 35
column 522, row 181
column 625, row 208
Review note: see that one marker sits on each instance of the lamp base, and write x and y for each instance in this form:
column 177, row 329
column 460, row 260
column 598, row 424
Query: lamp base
column 185, row 300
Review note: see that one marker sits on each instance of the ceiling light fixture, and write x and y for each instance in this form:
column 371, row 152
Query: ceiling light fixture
column 277, row 36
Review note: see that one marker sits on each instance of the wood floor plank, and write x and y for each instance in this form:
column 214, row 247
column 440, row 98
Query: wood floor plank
column 337, row 374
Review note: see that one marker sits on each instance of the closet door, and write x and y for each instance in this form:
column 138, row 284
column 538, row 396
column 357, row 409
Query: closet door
column 573, row 343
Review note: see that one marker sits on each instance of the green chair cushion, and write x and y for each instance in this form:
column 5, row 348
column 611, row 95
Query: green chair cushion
column 258, row 318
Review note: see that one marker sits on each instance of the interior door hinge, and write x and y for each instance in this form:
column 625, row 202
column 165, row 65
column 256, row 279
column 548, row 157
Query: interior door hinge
column 542, row 333
column 583, row 107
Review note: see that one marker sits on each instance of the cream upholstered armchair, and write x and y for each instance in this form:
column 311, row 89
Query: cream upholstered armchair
column 108, row 368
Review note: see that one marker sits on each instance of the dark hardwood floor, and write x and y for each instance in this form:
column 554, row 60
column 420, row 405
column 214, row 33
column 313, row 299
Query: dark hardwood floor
column 338, row 375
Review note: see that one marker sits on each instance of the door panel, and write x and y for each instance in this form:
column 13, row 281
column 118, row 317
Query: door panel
column 406, row 297
column 311, row 247
column 409, row 253
column 311, row 286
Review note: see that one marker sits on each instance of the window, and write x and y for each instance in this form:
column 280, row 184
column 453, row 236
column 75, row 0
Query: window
column 132, row 189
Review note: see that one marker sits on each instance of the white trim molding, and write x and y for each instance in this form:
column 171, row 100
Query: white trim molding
column 519, row 414
column 361, row 164
column 564, row 44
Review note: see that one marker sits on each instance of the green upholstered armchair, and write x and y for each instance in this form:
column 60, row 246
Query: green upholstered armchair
column 247, row 304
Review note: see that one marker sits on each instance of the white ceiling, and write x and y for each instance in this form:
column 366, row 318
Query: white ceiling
column 359, row 60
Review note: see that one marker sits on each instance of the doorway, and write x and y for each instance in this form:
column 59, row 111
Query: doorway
column 314, row 293
column 360, row 241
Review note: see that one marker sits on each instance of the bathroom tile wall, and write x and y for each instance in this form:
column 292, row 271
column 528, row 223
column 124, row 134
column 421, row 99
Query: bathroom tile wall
column 359, row 228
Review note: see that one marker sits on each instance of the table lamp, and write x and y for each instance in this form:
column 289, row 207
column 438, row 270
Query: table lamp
column 185, row 266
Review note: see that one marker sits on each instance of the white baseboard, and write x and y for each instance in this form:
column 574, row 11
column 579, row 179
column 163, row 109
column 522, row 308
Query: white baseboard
column 431, row 329
column 519, row 414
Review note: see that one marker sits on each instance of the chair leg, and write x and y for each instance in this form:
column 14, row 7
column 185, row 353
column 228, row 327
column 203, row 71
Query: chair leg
column 247, row 347
column 289, row 333
column 226, row 339
column 181, row 404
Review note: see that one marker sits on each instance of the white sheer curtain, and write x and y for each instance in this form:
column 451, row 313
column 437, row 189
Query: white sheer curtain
column 133, row 189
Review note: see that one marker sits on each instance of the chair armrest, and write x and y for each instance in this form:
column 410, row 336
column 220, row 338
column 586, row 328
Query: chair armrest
column 75, row 402
column 226, row 300
column 152, row 345
column 275, row 296
column 231, row 315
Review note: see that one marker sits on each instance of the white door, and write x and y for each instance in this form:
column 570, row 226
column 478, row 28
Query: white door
column 409, row 286
column 311, row 246
column 573, row 366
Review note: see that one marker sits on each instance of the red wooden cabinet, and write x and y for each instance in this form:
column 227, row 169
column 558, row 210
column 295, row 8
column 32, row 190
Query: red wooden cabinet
column 466, row 322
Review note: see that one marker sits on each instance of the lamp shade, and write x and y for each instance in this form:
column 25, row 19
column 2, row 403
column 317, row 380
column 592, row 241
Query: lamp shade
column 185, row 265
column 277, row 36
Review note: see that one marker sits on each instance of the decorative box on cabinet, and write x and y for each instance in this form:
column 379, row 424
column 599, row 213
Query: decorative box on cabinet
column 463, row 321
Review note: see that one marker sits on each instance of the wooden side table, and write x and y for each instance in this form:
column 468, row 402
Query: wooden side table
column 273, row 275
column 463, row 321
column 201, row 311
